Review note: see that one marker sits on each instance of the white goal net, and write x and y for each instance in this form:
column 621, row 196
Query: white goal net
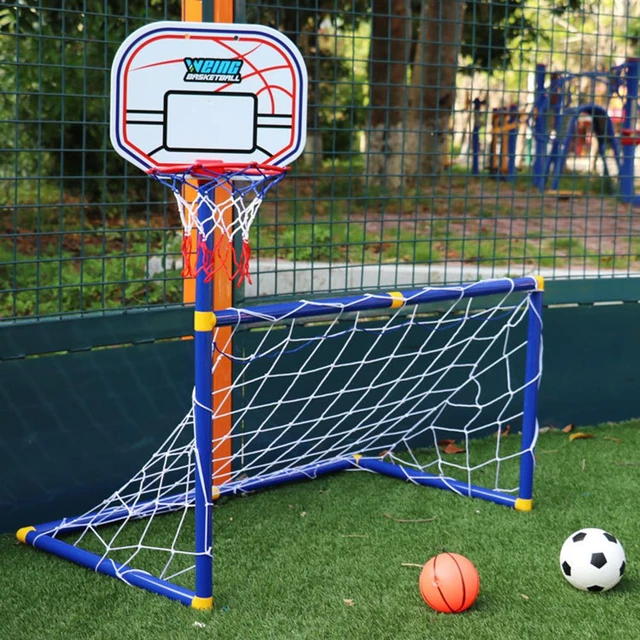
column 437, row 392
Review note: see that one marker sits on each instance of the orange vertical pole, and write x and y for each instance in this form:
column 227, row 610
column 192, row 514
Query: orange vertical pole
column 192, row 10
column 223, row 298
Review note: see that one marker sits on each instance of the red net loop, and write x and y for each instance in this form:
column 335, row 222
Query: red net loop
column 219, row 217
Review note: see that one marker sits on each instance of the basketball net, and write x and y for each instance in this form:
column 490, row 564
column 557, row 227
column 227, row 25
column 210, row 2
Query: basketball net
column 243, row 188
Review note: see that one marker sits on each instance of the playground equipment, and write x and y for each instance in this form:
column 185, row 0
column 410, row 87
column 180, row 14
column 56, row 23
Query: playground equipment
column 505, row 123
column 553, row 102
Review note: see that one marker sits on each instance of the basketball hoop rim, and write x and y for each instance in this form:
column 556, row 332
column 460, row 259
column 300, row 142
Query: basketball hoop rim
column 223, row 207
column 214, row 168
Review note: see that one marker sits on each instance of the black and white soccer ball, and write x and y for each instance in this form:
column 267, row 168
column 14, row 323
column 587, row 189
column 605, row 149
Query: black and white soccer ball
column 592, row 560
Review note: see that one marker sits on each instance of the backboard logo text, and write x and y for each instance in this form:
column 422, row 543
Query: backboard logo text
column 212, row 70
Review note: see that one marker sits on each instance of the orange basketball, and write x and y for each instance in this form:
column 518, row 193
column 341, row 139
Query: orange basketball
column 449, row 583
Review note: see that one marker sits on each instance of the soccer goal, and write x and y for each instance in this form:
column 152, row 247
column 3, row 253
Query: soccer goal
column 434, row 386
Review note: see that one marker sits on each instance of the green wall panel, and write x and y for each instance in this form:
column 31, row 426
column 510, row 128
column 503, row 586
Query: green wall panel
column 592, row 290
column 32, row 337
column 75, row 426
column 591, row 371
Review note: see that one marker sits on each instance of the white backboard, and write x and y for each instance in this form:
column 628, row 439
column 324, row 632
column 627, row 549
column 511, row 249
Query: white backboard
column 183, row 92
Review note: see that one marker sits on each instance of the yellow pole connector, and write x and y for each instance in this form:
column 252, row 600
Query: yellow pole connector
column 204, row 320
column 203, row 604
column 397, row 299
column 523, row 505
column 21, row 534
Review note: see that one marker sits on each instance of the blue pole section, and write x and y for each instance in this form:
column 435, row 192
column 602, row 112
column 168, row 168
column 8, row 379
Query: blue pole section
column 627, row 169
column 370, row 302
column 203, row 328
column 430, row 480
column 557, row 108
column 475, row 137
column 514, row 118
column 95, row 562
column 561, row 150
column 533, row 370
column 540, row 134
column 613, row 141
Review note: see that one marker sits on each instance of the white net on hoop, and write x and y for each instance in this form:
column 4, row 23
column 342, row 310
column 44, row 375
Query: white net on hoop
column 225, row 204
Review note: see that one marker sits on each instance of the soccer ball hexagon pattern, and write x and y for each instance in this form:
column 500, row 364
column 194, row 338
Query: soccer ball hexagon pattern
column 592, row 560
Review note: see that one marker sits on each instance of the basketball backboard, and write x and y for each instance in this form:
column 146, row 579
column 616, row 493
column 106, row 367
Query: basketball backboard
column 184, row 92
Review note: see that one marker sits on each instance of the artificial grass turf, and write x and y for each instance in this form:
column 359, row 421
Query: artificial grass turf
column 321, row 560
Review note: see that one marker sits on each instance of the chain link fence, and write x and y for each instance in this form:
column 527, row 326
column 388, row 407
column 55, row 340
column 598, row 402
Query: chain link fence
column 447, row 141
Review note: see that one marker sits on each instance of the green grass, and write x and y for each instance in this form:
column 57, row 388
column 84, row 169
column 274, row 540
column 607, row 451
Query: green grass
column 108, row 275
column 288, row 559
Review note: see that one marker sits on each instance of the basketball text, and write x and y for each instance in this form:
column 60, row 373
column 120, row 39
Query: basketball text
column 212, row 70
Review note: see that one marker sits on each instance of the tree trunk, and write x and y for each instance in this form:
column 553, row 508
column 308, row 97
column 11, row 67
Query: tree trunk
column 388, row 58
column 432, row 91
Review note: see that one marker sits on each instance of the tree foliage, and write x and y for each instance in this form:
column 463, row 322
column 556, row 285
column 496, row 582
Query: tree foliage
column 57, row 56
column 491, row 29
column 55, row 99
